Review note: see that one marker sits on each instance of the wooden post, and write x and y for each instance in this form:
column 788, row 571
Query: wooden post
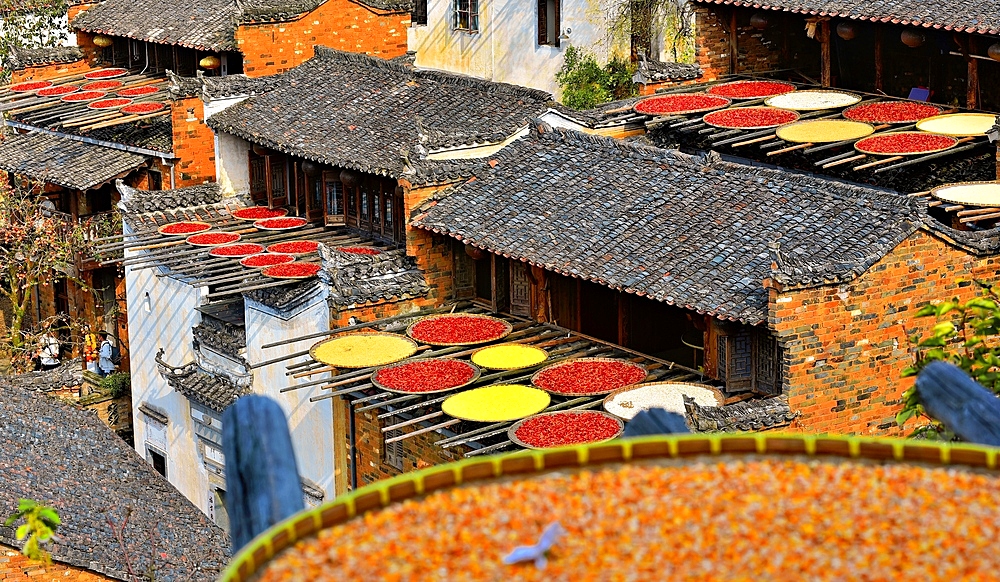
column 340, row 453
column 624, row 317
column 733, row 48
column 824, row 39
column 878, row 58
column 972, row 88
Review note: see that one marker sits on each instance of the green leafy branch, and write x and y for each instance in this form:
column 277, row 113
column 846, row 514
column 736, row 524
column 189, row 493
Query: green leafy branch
column 40, row 523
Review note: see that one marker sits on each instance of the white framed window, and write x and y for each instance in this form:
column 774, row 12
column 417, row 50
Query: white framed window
column 467, row 15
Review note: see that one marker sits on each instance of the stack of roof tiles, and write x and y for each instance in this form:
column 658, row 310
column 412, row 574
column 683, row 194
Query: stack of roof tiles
column 357, row 279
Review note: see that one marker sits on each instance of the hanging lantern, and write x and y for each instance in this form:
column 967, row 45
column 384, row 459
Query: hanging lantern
column 259, row 150
column 847, row 30
column 210, row 63
column 349, row 178
column 310, row 168
column 994, row 51
column 912, row 38
column 477, row 254
column 759, row 21
column 103, row 41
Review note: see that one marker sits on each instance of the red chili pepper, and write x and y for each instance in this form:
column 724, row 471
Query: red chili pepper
column 458, row 330
column 280, row 223
column 184, row 227
column 567, row 428
column 213, row 238
column 141, row 108
column 295, row 247
column 750, row 117
column 30, row 86
column 588, row 377
column 105, row 73
column 137, row 91
column 751, row 89
column 891, row 112
column 84, row 96
column 905, row 143
column 58, row 91
column 109, row 103
column 292, row 270
column 101, row 85
column 258, row 213
column 266, row 260
column 360, row 250
column 241, row 250
column 680, row 103
column 425, row 375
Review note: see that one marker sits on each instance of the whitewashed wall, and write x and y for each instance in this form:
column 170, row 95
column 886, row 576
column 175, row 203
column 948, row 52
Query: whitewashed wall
column 232, row 169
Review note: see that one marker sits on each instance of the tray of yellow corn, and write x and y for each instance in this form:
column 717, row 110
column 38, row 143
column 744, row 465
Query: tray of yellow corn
column 497, row 403
column 508, row 357
column 969, row 193
column 363, row 350
column 823, row 131
column 958, row 124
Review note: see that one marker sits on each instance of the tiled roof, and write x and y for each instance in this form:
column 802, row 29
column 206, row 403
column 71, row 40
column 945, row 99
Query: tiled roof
column 68, row 375
column 198, row 24
column 269, row 10
column 215, row 392
column 749, row 415
column 365, row 113
column 221, row 336
column 66, row 457
column 668, row 71
column 689, row 231
column 135, row 201
column 216, row 87
column 23, row 58
column 65, row 161
column 958, row 15
column 285, row 297
column 356, row 279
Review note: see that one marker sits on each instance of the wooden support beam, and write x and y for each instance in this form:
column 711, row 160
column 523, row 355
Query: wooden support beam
column 734, row 53
column 878, row 58
column 972, row 87
column 826, row 75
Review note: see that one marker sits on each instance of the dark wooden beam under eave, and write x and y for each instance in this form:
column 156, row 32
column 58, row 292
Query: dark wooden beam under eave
column 734, row 52
column 878, row 57
column 826, row 76
column 972, row 87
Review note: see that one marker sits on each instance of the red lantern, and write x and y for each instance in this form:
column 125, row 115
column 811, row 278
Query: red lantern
column 759, row 21
column 847, row 30
column 912, row 38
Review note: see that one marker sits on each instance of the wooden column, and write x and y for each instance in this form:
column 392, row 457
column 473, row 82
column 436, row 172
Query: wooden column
column 972, row 86
column 878, row 58
column 624, row 317
column 734, row 53
column 342, row 448
column 826, row 77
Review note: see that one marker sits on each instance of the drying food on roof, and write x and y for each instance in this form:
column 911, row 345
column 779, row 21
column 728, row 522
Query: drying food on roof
column 627, row 402
column 813, row 100
column 106, row 73
column 426, row 376
column 497, row 403
column 293, row 270
column 189, row 227
column 777, row 517
column 969, row 193
column 750, row 117
column 458, row 329
column 751, row 89
column 212, row 239
column 102, row 85
column 904, row 143
column 29, row 86
column 138, row 91
column 295, row 247
column 565, row 427
column 823, row 131
column 680, row 104
column 891, row 112
column 143, row 108
column 958, row 124
column 363, row 350
column 57, row 91
column 509, row 357
column 259, row 213
column 237, row 250
column 588, row 376
column 110, row 103
column 280, row 223
column 359, row 250
column 84, row 96
column 262, row 260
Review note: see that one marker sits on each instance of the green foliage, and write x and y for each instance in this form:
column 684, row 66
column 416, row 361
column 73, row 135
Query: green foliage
column 30, row 24
column 966, row 334
column 40, row 523
column 586, row 84
column 117, row 384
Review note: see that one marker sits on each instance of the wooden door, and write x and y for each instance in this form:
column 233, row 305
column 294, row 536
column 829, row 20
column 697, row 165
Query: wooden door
column 333, row 203
column 520, row 289
column 501, row 284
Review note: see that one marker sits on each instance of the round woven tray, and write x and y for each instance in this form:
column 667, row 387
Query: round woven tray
column 749, row 127
column 860, row 144
column 983, row 193
column 722, row 102
column 475, row 376
column 264, row 272
column 472, row 357
column 512, row 431
column 104, row 74
column 507, row 327
column 300, row 222
column 205, row 225
column 394, row 359
column 674, row 449
column 244, row 259
column 534, row 377
column 611, row 397
column 526, row 412
column 781, row 87
column 958, row 124
column 822, row 131
column 282, row 211
column 822, row 99
column 235, row 257
column 850, row 110
column 228, row 242
column 271, row 249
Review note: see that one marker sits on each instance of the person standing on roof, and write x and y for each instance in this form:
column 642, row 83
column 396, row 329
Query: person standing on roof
column 105, row 354
column 48, row 351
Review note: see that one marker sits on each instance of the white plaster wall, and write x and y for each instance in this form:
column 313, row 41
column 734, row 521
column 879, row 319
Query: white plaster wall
column 506, row 47
column 311, row 423
column 165, row 320
column 232, row 166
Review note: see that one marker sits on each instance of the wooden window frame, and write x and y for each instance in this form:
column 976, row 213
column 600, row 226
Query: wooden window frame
column 544, row 39
column 749, row 360
column 419, row 15
column 339, row 215
column 466, row 15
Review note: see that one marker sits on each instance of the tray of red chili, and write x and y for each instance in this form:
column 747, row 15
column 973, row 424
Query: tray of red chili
column 680, row 104
column 458, row 329
column 108, row 73
column 280, row 223
column 143, row 108
column 114, row 103
column 29, row 86
column 83, row 96
column 138, row 91
column 262, row 260
column 57, row 91
column 293, row 270
column 565, row 427
column 751, row 89
column 101, row 85
column 184, row 227
column 237, row 251
column 891, row 112
column 294, row 247
column 359, row 250
column 588, row 376
column 426, row 376
column 905, row 143
column 259, row 213
column 750, row 117
column 212, row 239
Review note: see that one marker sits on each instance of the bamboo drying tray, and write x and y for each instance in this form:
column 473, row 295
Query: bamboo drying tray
column 445, row 316
column 476, row 373
column 228, row 242
column 712, row 118
column 823, row 131
column 813, row 100
column 281, row 212
column 536, row 375
column 862, row 144
column 958, row 124
column 645, row 106
column 984, row 193
column 204, row 226
column 486, row 353
column 496, row 403
column 512, row 431
column 344, row 348
column 778, row 88
column 612, row 399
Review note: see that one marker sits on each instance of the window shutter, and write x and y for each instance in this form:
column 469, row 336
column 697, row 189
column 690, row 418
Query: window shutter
column 543, row 27
column 739, row 361
column 556, row 28
column 520, row 289
column 768, row 364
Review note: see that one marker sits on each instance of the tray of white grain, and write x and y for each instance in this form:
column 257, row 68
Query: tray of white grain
column 969, row 193
column 626, row 402
column 814, row 100
column 958, row 124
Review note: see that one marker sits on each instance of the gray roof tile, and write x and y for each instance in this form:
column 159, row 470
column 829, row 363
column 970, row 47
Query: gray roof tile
column 749, row 415
column 22, row 58
column 215, row 392
column 135, row 201
column 199, row 24
column 356, row 279
column 65, row 161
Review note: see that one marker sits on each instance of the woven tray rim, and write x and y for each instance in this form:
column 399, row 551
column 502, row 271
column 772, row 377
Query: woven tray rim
column 954, row 142
column 855, row 96
column 312, row 349
column 237, row 257
column 473, row 355
column 477, row 372
column 950, row 115
column 807, row 121
column 795, row 113
column 257, row 226
column 547, row 403
column 184, row 234
column 745, row 81
column 284, row 213
column 686, row 112
column 507, row 326
column 50, row 84
column 893, row 101
column 287, row 276
column 266, row 266
column 935, row 192
column 268, row 248
column 719, row 397
column 570, row 361
column 237, row 239
column 511, row 432
column 121, row 73
column 90, row 104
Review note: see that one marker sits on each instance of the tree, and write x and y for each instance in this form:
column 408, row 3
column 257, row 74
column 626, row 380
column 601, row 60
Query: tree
column 30, row 24
column 966, row 334
column 40, row 523
column 586, row 84
column 641, row 21
column 36, row 246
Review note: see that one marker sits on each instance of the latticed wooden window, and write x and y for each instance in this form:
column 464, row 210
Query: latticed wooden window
column 548, row 22
column 749, row 360
column 419, row 16
column 467, row 15
column 393, row 451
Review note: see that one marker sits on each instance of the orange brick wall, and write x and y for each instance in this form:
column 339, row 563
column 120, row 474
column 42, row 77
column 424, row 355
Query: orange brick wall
column 270, row 48
column 845, row 345
column 52, row 71
column 194, row 143
column 15, row 567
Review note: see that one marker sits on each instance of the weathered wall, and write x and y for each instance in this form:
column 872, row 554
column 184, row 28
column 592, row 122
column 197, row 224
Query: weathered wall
column 45, row 72
column 271, row 48
column 775, row 47
column 15, row 567
column 232, row 163
column 846, row 345
column 194, row 143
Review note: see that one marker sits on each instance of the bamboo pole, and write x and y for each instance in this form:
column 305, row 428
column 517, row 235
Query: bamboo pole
column 844, row 161
column 877, row 163
column 790, row 149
